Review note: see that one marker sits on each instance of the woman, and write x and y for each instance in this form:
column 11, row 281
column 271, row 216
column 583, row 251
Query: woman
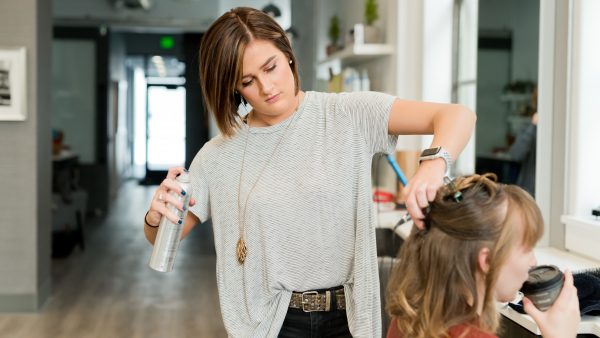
column 288, row 186
column 476, row 249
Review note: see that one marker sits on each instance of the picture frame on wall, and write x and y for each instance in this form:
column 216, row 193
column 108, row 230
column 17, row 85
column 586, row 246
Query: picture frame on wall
column 13, row 79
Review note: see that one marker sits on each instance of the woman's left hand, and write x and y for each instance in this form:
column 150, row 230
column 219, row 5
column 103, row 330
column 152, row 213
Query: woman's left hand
column 562, row 318
column 422, row 187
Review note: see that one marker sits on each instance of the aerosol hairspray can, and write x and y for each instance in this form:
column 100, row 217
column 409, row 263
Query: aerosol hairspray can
column 169, row 233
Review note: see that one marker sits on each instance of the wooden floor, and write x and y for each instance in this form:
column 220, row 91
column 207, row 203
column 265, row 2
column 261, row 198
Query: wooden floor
column 108, row 290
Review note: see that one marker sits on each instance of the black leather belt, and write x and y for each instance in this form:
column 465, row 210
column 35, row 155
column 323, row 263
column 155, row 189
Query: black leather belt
column 322, row 300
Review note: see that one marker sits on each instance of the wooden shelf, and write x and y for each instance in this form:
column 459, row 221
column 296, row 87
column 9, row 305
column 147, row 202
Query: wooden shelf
column 362, row 52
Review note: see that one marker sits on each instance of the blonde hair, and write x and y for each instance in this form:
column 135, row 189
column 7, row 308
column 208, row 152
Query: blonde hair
column 433, row 287
column 221, row 55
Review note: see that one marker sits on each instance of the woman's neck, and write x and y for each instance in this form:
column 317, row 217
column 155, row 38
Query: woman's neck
column 480, row 293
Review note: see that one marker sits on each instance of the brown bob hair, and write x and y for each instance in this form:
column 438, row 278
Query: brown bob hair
column 221, row 54
column 434, row 285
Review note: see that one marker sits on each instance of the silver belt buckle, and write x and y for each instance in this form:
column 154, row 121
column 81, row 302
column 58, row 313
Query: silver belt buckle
column 305, row 301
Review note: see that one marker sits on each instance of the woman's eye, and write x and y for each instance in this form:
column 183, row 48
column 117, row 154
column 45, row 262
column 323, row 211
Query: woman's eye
column 272, row 68
column 247, row 83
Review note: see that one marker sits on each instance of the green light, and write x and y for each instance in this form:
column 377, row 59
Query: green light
column 167, row 42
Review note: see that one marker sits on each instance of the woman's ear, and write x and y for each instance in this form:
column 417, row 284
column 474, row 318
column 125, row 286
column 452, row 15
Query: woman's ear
column 483, row 262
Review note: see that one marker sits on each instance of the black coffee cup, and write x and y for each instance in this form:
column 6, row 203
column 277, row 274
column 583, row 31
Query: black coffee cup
column 543, row 285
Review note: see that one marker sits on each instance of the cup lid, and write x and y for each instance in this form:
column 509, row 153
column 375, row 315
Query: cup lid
column 542, row 277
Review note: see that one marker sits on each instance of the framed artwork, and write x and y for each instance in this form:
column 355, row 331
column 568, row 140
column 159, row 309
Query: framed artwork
column 13, row 79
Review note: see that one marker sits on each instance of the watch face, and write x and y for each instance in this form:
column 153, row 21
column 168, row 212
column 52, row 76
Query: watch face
column 430, row 151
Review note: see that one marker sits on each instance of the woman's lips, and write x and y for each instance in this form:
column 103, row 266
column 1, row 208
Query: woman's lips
column 272, row 99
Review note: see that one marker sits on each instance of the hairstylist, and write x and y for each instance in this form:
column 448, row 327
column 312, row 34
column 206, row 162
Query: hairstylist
column 288, row 185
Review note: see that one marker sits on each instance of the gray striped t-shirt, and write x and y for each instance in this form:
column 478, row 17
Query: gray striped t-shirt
column 309, row 220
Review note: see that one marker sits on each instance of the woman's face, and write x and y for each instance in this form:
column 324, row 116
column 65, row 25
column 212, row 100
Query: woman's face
column 514, row 272
column 267, row 81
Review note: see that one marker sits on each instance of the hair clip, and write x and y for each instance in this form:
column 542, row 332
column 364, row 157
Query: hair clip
column 456, row 195
column 427, row 218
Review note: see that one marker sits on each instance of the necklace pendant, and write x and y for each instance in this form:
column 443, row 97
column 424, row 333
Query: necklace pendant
column 241, row 250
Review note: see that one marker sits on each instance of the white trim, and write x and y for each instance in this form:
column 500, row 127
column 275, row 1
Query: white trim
column 553, row 73
column 581, row 235
column 543, row 172
column 572, row 116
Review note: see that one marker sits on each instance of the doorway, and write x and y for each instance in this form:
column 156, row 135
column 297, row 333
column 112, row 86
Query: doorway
column 160, row 115
column 166, row 134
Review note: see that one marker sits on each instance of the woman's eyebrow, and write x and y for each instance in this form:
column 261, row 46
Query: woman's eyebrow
column 263, row 65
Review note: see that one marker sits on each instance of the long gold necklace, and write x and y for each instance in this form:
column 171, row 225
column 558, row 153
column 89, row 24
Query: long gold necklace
column 241, row 248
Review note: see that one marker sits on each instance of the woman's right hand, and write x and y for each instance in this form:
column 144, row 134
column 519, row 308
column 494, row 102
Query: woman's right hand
column 162, row 197
column 562, row 318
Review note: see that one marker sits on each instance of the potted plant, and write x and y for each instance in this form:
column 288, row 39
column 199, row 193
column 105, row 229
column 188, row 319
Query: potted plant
column 334, row 35
column 372, row 33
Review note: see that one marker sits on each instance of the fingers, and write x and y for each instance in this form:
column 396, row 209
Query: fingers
column 567, row 290
column 170, row 183
column 413, row 208
column 168, row 194
column 431, row 191
column 568, row 295
column 421, row 195
column 531, row 310
column 422, row 189
column 418, row 198
column 175, row 171
column 568, row 278
column 160, row 203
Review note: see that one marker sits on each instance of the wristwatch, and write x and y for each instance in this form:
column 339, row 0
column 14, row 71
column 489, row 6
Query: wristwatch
column 437, row 152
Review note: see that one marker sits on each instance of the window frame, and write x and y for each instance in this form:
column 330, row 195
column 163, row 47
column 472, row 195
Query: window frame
column 560, row 155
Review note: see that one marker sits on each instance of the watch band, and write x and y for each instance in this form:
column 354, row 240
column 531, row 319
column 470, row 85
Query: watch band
column 438, row 152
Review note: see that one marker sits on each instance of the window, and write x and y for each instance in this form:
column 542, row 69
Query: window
column 567, row 170
column 582, row 232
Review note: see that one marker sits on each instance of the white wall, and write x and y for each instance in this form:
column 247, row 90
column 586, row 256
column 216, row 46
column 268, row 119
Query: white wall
column 423, row 56
column 25, row 164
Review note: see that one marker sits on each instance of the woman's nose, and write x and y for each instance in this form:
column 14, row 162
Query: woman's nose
column 266, row 85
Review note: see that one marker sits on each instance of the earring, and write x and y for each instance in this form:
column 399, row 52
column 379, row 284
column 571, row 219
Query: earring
column 242, row 100
column 291, row 61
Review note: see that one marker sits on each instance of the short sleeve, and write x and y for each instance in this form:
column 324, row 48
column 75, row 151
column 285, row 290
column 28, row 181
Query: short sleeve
column 370, row 113
column 200, row 189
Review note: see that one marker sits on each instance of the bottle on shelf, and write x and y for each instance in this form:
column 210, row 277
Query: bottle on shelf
column 365, row 83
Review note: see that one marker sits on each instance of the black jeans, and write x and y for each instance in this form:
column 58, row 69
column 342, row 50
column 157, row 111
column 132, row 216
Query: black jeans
column 317, row 324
